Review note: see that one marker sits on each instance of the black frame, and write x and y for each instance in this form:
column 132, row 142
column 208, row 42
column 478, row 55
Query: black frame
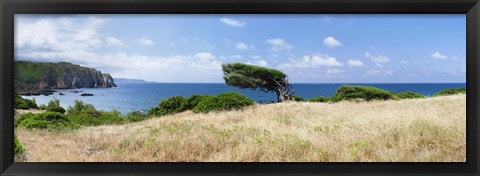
column 10, row 7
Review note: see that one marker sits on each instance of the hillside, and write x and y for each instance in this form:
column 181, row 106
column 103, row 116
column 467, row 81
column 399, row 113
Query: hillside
column 38, row 76
column 416, row 130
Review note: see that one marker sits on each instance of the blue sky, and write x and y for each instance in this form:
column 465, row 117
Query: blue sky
column 308, row 48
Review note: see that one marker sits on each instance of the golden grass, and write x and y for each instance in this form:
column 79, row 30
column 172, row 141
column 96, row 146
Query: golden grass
column 417, row 130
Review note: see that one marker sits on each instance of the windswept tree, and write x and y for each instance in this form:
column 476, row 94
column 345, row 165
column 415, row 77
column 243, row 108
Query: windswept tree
column 255, row 77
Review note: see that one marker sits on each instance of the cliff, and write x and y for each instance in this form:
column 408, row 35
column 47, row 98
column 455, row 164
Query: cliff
column 39, row 76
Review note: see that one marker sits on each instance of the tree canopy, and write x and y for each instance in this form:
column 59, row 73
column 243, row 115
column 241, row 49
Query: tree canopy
column 255, row 77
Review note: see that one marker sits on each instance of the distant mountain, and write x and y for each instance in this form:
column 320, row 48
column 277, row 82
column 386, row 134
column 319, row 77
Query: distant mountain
column 38, row 76
column 128, row 80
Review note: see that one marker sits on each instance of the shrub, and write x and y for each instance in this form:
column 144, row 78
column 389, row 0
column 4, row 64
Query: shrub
column 17, row 146
column 86, row 114
column 42, row 107
column 169, row 106
column 192, row 101
column 31, row 103
column 361, row 92
column 50, row 120
column 319, row 99
column 451, row 92
column 135, row 116
column 409, row 95
column 58, row 109
column 224, row 101
column 21, row 103
column 297, row 98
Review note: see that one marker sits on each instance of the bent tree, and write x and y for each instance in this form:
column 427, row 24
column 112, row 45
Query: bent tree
column 255, row 77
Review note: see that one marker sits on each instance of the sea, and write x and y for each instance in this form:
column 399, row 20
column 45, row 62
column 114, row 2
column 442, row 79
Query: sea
column 129, row 97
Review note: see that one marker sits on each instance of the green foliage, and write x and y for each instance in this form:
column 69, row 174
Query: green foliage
column 451, row 92
column 255, row 77
column 17, row 146
column 362, row 92
column 58, row 109
column 319, row 99
column 54, row 106
column 86, row 114
column 192, row 101
column 50, row 120
column 224, row 101
column 21, row 103
column 30, row 72
column 409, row 95
column 42, row 107
column 169, row 106
column 297, row 98
column 135, row 116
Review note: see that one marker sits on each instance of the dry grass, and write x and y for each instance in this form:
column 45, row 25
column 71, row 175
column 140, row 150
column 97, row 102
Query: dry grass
column 419, row 130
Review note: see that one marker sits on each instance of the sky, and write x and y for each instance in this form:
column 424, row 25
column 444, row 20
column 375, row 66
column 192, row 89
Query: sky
column 308, row 48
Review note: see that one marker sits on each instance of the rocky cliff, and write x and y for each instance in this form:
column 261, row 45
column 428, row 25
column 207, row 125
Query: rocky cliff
column 38, row 76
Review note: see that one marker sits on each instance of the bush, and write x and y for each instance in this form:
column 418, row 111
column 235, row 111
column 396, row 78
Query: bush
column 80, row 107
column 31, row 103
column 451, row 92
column 50, row 120
column 319, row 99
column 409, row 95
column 169, row 106
column 297, row 98
column 21, row 103
column 192, row 101
column 224, row 101
column 58, row 109
column 42, row 107
column 362, row 92
column 135, row 116
column 86, row 114
column 17, row 146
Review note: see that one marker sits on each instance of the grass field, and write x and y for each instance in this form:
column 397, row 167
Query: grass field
column 414, row 130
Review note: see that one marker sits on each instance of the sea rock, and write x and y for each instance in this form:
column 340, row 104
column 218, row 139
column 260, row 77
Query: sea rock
column 86, row 94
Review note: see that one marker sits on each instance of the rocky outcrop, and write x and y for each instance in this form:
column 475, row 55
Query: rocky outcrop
column 58, row 76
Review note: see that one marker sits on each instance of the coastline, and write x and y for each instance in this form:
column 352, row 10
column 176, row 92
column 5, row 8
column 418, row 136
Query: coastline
column 413, row 130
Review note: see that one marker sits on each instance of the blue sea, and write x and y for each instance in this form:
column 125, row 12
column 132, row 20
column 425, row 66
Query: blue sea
column 129, row 97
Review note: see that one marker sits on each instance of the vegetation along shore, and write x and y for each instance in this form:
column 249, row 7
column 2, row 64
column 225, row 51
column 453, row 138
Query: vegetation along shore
column 359, row 123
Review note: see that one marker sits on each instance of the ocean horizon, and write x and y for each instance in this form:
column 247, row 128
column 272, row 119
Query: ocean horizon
column 129, row 97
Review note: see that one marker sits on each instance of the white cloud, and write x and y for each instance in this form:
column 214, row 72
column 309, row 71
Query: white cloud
column 404, row 62
column 60, row 34
column 331, row 42
column 380, row 59
column 241, row 46
column 312, row 62
column 58, row 41
column 278, row 45
column 205, row 55
column 232, row 22
column 375, row 72
column 367, row 54
column 437, row 55
column 262, row 63
column 256, row 57
column 114, row 41
column 225, row 57
column 333, row 71
column 354, row 63
column 146, row 42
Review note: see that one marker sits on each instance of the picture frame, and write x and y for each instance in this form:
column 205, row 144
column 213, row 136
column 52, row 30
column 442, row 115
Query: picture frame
column 11, row 7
